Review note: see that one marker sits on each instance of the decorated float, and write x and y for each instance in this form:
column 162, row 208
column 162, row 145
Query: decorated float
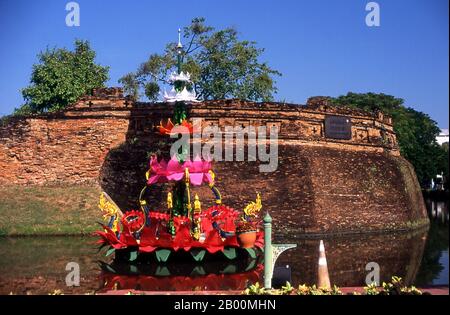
column 185, row 227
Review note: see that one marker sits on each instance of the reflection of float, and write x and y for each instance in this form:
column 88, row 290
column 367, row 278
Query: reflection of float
column 138, row 235
column 180, row 277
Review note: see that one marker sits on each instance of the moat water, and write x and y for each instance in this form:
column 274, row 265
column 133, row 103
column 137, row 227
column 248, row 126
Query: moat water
column 38, row 265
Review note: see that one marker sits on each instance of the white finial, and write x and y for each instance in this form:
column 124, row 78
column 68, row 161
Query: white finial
column 179, row 39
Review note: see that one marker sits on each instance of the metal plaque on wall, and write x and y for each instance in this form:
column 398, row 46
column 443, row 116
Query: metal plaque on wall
column 338, row 127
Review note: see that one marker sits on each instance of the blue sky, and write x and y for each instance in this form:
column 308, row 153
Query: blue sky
column 322, row 47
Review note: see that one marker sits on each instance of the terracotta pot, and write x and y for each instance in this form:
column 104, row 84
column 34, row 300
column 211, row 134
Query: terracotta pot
column 246, row 239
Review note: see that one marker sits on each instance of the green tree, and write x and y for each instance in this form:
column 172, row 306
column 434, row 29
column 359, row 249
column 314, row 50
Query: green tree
column 221, row 66
column 61, row 77
column 416, row 131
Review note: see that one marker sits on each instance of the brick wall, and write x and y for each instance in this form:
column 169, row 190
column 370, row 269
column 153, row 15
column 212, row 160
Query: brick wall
column 321, row 185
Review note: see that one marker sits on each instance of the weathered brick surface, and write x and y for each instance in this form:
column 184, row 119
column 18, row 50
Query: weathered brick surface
column 39, row 151
column 321, row 185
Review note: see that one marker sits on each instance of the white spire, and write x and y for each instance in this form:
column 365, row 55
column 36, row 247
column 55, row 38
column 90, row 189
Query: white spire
column 186, row 77
column 183, row 96
column 179, row 39
column 182, row 77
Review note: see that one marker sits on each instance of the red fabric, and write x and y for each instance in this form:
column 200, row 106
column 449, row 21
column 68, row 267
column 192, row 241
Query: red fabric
column 156, row 236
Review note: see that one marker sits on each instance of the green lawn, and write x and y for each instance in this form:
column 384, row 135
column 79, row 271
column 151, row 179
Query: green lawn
column 57, row 210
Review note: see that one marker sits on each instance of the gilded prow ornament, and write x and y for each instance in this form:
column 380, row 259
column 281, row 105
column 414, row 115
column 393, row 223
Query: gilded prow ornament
column 111, row 211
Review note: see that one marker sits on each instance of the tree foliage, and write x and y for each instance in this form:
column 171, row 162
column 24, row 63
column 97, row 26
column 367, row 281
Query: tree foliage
column 61, row 77
column 221, row 66
column 416, row 132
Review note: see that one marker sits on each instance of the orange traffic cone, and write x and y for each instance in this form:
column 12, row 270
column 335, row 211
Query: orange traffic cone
column 323, row 278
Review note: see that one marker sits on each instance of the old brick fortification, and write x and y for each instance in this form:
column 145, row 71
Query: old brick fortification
column 321, row 184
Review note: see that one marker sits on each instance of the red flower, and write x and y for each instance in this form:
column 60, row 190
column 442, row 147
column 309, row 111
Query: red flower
column 166, row 129
column 133, row 221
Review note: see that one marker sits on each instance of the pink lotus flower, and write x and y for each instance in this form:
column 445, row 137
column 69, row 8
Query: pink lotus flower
column 161, row 172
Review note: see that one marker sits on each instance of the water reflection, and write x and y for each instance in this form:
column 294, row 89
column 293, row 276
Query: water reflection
column 434, row 267
column 419, row 257
column 37, row 265
column 397, row 254
column 213, row 276
column 438, row 211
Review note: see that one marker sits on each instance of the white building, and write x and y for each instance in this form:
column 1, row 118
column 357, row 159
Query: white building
column 442, row 137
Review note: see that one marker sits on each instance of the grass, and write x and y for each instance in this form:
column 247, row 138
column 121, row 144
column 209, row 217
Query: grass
column 48, row 210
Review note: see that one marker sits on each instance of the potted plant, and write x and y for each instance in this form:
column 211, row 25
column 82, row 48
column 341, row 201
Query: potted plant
column 247, row 227
column 246, row 233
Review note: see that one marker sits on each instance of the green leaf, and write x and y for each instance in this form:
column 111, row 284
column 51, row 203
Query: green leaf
column 198, row 254
column 110, row 251
column 230, row 253
column 61, row 77
column 133, row 255
column 162, row 255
